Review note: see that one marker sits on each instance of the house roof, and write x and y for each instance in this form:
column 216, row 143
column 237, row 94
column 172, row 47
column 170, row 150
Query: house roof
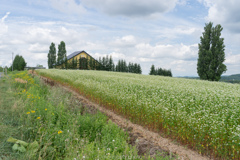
column 74, row 54
column 77, row 53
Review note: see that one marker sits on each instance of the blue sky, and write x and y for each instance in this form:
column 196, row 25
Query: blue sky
column 165, row 33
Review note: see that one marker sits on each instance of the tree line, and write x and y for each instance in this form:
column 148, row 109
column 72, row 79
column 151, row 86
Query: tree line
column 104, row 63
column 160, row 71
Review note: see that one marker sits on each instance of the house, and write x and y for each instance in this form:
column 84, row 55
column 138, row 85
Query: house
column 79, row 60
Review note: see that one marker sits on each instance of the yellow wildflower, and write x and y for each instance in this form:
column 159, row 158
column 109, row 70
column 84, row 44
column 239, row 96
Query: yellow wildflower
column 59, row 132
column 45, row 109
column 38, row 117
column 28, row 112
column 33, row 111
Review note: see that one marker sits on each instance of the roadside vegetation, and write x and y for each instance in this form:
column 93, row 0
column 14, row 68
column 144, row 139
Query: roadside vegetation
column 48, row 123
column 201, row 114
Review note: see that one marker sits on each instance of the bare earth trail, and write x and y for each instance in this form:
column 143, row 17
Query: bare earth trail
column 144, row 139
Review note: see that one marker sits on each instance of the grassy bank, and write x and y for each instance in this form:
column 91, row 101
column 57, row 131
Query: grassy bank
column 58, row 125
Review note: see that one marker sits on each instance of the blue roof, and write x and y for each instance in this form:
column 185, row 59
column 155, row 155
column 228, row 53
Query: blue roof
column 74, row 54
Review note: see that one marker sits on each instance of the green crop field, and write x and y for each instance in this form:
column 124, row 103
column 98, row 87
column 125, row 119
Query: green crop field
column 204, row 115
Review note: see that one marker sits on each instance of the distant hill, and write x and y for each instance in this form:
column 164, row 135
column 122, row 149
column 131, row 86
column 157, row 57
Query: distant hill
column 235, row 78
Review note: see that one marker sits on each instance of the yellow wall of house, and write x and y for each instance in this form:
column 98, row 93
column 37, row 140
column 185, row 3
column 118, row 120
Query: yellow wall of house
column 81, row 55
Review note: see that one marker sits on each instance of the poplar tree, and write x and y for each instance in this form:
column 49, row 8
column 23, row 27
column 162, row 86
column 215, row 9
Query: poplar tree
column 52, row 56
column 211, row 53
column 61, row 52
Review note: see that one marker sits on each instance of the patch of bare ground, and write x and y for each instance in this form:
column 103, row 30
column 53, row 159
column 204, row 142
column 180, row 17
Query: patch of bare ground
column 20, row 80
column 146, row 141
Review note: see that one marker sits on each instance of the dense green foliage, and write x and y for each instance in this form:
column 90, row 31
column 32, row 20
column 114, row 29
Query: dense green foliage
column 106, row 63
column 88, row 64
column 61, row 56
column 211, row 53
column 202, row 114
column 130, row 68
column 160, row 71
column 52, row 56
column 18, row 63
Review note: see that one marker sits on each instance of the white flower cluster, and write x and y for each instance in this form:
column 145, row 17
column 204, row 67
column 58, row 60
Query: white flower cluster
column 206, row 112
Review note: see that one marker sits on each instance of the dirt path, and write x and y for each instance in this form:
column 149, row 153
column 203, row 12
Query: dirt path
column 145, row 140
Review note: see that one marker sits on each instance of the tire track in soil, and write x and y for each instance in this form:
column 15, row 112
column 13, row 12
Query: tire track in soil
column 146, row 141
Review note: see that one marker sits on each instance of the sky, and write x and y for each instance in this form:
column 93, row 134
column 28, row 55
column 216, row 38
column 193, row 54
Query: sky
column 165, row 33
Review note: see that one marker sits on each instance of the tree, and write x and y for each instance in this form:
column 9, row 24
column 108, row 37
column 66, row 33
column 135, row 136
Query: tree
column 52, row 56
column 67, row 65
column 139, row 70
column 91, row 63
column 94, row 65
column 211, row 53
column 61, row 52
column 19, row 63
column 152, row 70
column 39, row 65
column 83, row 63
column 111, row 64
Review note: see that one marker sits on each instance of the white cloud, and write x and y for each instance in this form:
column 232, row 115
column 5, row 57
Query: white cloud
column 3, row 19
column 32, row 40
column 3, row 26
column 38, row 48
column 167, row 51
column 178, row 31
column 182, row 2
column 40, row 56
column 116, row 55
column 68, row 6
column 161, row 36
column 131, row 7
column 224, row 12
column 125, row 41
column 232, row 59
